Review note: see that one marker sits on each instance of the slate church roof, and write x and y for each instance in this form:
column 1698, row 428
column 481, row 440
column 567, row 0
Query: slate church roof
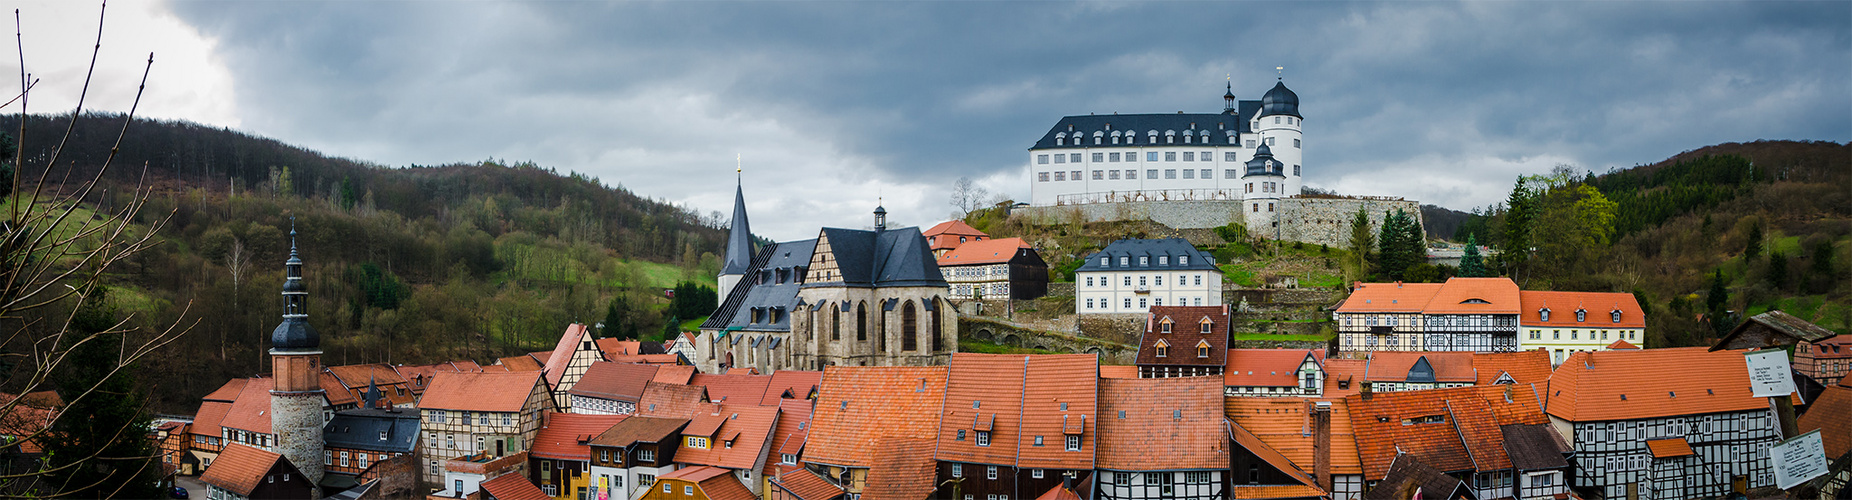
column 768, row 288
column 893, row 257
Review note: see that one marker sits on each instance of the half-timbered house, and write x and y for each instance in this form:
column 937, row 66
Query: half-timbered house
column 244, row 472
column 572, row 356
column 1181, row 416
column 1390, row 371
column 611, row 388
column 629, row 456
column 475, row 413
column 1017, row 425
column 1275, row 373
column 1184, row 341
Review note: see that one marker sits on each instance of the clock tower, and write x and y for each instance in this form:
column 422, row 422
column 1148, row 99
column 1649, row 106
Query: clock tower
column 295, row 354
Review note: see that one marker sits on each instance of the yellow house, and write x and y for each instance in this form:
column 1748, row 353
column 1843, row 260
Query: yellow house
column 1569, row 322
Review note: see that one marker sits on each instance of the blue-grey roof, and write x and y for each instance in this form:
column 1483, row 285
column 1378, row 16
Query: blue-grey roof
column 1279, row 101
column 894, row 257
column 1216, row 124
column 359, row 429
column 295, row 334
column 1264, row 163
column 769, row 287
column 739, row 237
column 1172, row 248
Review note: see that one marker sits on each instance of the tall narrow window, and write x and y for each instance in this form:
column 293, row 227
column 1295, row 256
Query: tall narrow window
column 861, row 321
column 909, row 327
column 835, row 323
column 938, row 309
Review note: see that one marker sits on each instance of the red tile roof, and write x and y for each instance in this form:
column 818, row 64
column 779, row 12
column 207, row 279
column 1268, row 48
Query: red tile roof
column 1060, row 397
column 1185, row 336
column 1343, row 377
column 1525, row 367
column 240, row 468
column 522, row 363
column 1452, row 430
column 804, row 484
column 1595, row 386
column 567, row 435
column 743, row 433
column 1669, row 448
column 1151, row 409
column 336, row 393
column 228, row 392
column 1286, row 425
column 252, row 410
column 357, row 377
column 955, row 228
column 715, row 483
column 1393, row 366
column 1118, row 371
column 1622, row 344
column 1268, row 367
column 513, row 487
column 614, row 381
column 211, row 414
column 793, row 427
column 1389, row 297
column 648, row 359
column 672, row 401
column 1059, row 492
column 1465, row 296
column 1829, row 413
column 620, row 347
column 859, row 405
column 677, row 374
column 733, row 389
column 995, row 251
column 800, row 384
column 1253, row 444
column 562, row 352
column 903, row 469
column 1563, row 305
column 496, row 392
column 1275, row 492
column 24, row 420
column 979, row 389
column 640, row 428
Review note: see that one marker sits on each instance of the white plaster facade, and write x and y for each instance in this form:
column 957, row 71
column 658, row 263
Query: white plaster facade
column 1135, row 291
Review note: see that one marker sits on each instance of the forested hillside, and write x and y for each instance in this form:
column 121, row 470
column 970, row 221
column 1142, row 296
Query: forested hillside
column 404, row 265
column 1705, row 238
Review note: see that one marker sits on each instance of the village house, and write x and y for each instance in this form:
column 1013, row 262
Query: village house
column 1016, row 426
column 571, row 357
column 862, row 411
column 1569, row 322
column 1183, row 417
column 355, row 379
column 375, row 441
column 1000, row 269
column 1184, row 341
column 472, row 413
column 1663, row 423
column 611, row 388
column 1517, row 368
column 734, row 437
column 945, row 236
column 1275, row 372
column 1463, row 314
column 1495, row 437
column 247, row 420
column 1131, row 276
column 463, row 476
column 629, row 456
column 208, row 433
column 560, row 460
column 1826, row 361
column 1314, row 435
column 243, row 472
column 1389, row 371
column 170, row 438
column 787, row 441
column 699, row 483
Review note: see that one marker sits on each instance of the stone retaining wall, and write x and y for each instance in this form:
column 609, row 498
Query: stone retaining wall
column 1007, row 334
column 1318, row 221
column 1278, row 344
column 1121, row 328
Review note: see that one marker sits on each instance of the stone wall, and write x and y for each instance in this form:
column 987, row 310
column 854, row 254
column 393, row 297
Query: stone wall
column 1318, row 221
column 296, row 417
column 398, row 477
column 1002, row 333
column 1060, row 289
column 1279, row 344
column 1326, row 221
column 1123, row 328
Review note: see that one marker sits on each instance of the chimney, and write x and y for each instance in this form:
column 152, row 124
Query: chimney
column 1398, row 284
column 1364, row 390
column 1321, row 443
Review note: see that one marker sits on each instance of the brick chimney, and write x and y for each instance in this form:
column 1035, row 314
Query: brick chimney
column 1321, row 443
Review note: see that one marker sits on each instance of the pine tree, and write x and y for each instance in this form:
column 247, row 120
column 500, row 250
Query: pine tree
column 1753, row 248
column 1777, row 270
column 1715, row 301
column 1362, row 241
column 1520, row 213
column 112, row 424
column 1471, row 264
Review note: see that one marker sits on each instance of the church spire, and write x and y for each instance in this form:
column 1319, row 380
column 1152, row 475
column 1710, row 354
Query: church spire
column 294, row 333
column 739, row 243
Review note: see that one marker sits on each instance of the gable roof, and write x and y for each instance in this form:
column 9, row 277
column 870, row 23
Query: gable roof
column 640, row 429
column 240, row 468
column 801, row 384
column 903, row 469
column 1253, row 444
column 1454, row 429
column 1462, row 296
column 614, row 381
column 715, row 483
column 567, row 436
column 739, row 440
column 251, row 412
column 733, row 389
column 495, row 392
column 627, row 347
column 1151, row 407
column 982, row 389
column 1060, row 397
column 361, row 428
column 1398, row 366
column 1407, row 474
column 356, row 379
column 1217, row 124
column 228, row 392
column 575, row 336
column 1534, row 447
column 1389, row 297
column 1524, row 367
column 1132, row 249
column 1185, row 334
column 859, row 405
column 1563, row 305
column 1286, row 425
column 211, row 414
column 1590, row 385
column 521, row 363
column 995, row 251
column 1268, row 367
column 952, row 227
column 803, row 484
column 513, row 487
column 788, row 436
column 671, row 400
column 675, row 374
column 1829, row 413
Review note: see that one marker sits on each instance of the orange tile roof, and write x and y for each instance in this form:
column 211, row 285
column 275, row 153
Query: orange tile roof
column 1563, row 305
column 715, row 483
column 648, row 359
column 1118, row 371
column 497, row 392
column 800, row 384
column 954, row 228
column 1463, row 296
column 1059, row 492
column 1060, row 396
column 1343, row 377
column 1829, row 413
column 228, row 392
column 742, row 371
column 804, row 484
column 211, row 414
column 640, row 428
column 522, row 363
column 677, row 374
column 1590, row 386
column 619, row 347
column 513, row 487
column 1253, row 444
column 1450, row 429
column 336, row 393
column 903, row 469
column 1393, row 366
column 25, row 420
column 733, row 389
column 252, row 410
column 1478, row 429
column 1622, row 344
column 995, row 251
column 670, row 400
column 562, row 353
column 1286, row 425
column 240, row 468
column 1273, row 492
column 567, row 436
column 417, row 377
column 793, row 427
column 1267, row 367
column 1524, row 366
column 1516, row 404
column 740, row 440
column 982, row 388
column 357, row 377
column 1194, row 441
column 1669, row 448
column 859, row 405
column 614, row 381
column 1389, row 297
column 1185, row 336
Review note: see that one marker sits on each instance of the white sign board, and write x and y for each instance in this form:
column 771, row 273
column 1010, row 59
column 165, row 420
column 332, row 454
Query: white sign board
column 1798, row 460
column 1769, row 375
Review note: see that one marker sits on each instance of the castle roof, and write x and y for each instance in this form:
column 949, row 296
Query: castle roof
column 1280, row 101
column 1216, row 125
column 1175, row 249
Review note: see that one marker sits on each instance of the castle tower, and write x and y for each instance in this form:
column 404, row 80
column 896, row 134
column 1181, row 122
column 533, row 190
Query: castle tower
column 1278, row 125
column 739, row 245
column 1263, row 184
column 295, row 354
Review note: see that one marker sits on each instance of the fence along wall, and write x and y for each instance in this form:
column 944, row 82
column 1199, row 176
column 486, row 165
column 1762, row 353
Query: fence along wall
column 1317, row 221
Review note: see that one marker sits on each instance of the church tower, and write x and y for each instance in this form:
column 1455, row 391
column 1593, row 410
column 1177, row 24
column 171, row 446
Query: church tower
column 739, row 246
column 295, row 359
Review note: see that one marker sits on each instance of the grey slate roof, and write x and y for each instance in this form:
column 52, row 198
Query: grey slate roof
column 1152, row 249
column 1534, row 447
column 1264, row 163
column 739, row 237
column 1217, row 124
column 895, row 257
column 770, row 286
column 359, row 429
column 1279, row 101
column 295, row 334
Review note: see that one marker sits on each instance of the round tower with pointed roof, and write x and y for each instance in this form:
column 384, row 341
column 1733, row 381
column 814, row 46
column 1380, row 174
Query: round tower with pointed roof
column 1278, row 123
column 1263, row 184
column 296, row 414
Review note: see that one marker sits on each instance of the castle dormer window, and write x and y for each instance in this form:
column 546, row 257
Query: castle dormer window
column 1163, row 260
column 1144, row 261
column 1183, row 260
column 1581, row 315
column 1543, row 314
column 1616, row 314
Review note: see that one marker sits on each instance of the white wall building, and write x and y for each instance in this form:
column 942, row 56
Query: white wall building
column 1130, row 276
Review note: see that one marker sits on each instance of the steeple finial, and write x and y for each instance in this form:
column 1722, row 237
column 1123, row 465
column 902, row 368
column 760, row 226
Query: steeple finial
column 1282, row 72
column 292, row 236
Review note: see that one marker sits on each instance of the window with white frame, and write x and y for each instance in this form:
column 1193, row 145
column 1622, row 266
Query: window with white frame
column 1073, row 443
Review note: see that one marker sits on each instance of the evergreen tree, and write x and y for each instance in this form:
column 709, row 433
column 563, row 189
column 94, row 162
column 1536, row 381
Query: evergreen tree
column 1777, row 270
column 618, row 320
column 1361, row 241
column 1715, row 301
column 1520, row 212
column 1820, row 272
column 106, row 439
column 7, row 148
column 1471, row 264
column 1753, row 247
column 1399, row 246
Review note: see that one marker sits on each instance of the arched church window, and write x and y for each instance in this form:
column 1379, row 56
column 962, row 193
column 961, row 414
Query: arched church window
column 909, row 327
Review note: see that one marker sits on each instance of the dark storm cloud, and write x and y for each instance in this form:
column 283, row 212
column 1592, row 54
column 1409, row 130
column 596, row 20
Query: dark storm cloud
column 1440, row 102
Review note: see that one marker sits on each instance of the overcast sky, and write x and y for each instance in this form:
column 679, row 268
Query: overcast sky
column 833, row 104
